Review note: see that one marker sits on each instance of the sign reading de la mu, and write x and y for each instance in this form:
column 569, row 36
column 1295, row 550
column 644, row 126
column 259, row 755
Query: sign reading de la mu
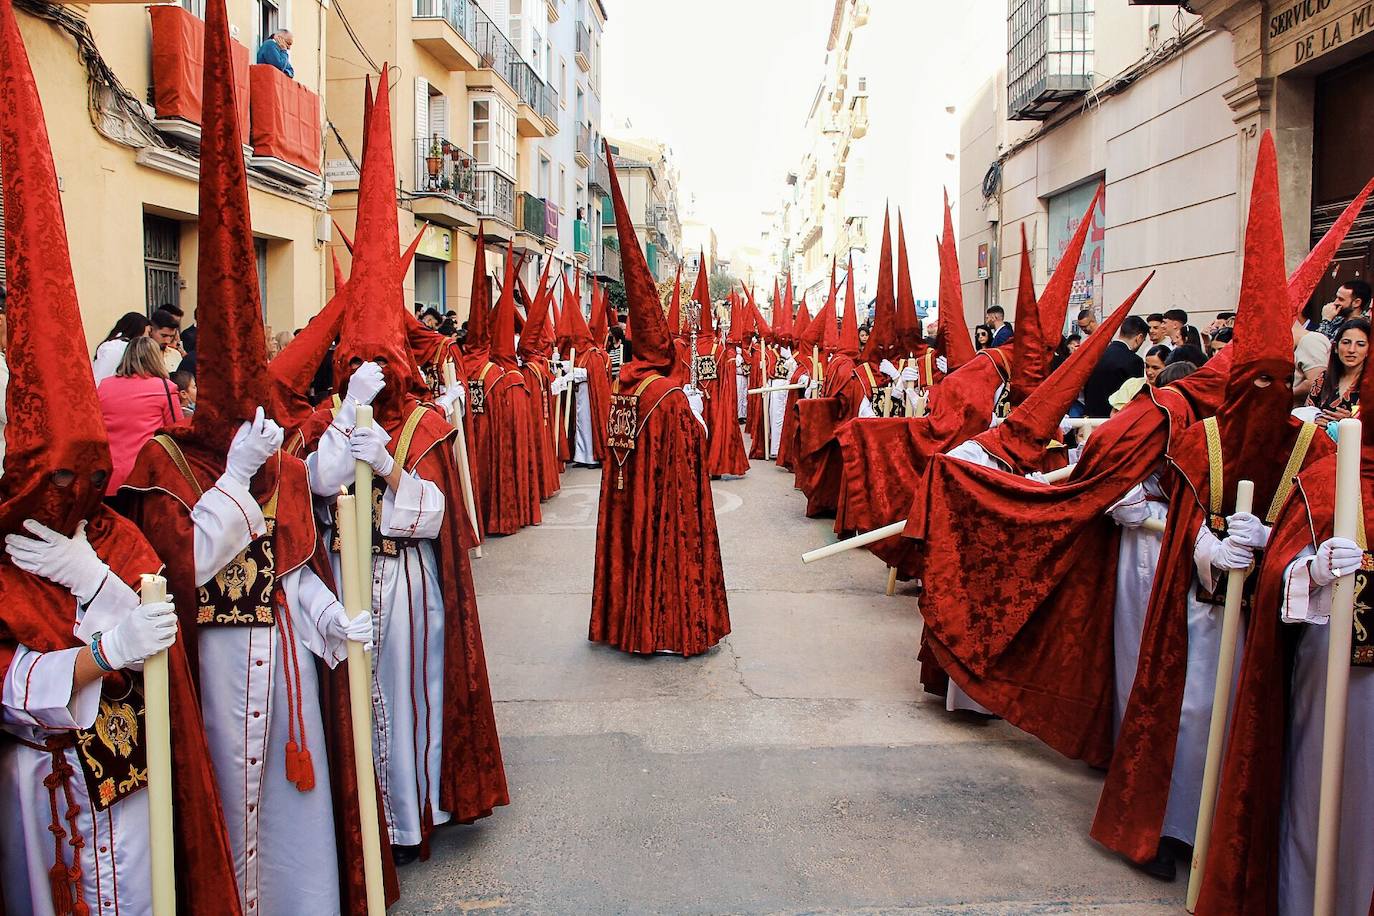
column 1314, row 27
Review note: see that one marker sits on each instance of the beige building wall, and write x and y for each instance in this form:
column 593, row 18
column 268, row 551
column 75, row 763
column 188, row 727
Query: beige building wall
column 108, row 187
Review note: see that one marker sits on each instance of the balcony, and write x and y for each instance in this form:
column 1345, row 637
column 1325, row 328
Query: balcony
column 548, row 107
column 445, row 183
column 582, row 239
column 584, row 47
column 1050, row 58
column 858, row 117
column 607, row 211
column 444, row 28
column 552, row 218
column 493, row 195
column 504, row 71
column 178, row 50
column 530, row 215
column 584, row 146
column 285, row 120
column 599, row 175
column 651, row 256
column 610, row 261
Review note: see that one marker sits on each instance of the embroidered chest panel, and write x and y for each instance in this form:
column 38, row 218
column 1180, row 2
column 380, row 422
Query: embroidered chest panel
column 241, row 593
column 477, row 396
column 887, row 404
column 382, row 546
column 706, row 368
column 780, row 370
column 624, row 421
column 114, row 758
column 1361, row 645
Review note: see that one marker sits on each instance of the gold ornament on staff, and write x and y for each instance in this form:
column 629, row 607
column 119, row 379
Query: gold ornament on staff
column 158, row 723
column 460, row 453
column 1221, row 707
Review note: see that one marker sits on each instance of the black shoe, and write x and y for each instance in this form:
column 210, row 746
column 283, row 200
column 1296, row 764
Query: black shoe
column 404, row 855
column 1163, row 866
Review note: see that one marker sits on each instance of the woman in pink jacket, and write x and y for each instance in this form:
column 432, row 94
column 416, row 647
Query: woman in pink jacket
column 136, row 402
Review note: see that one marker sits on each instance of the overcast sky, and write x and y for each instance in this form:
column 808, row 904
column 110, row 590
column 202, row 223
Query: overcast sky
column 727, row 84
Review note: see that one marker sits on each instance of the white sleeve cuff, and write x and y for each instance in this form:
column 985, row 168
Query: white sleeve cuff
column 1304, row 602
column 1204, row 550
column 38, row 691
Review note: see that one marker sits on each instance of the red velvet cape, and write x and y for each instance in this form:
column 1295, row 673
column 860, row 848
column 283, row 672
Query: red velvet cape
column 1130, row 813
column 787, row 436
column 507, row 490
column 206, row 882
column 760, row 375
column 658, row 581
column 819, row 464
column 537, row 380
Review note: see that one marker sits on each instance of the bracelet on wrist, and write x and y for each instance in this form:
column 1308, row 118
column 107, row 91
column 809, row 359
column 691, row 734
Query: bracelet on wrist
column 98, row 654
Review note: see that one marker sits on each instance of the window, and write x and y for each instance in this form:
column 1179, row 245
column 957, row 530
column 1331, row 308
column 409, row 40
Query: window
column 493, row 134
column 563, row 79
column 562, row 186
column 581, row 198
column 537, row 53
column 269, row 19
column 581, row 106
column 544, row 168
column 260, row 251
column 194, row 7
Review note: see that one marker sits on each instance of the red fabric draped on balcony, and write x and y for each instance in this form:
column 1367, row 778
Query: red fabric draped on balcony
column 178, row 51
column 286, row 118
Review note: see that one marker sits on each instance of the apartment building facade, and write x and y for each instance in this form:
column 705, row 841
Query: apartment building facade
column 496, row 111
column 124, row 126
column 1165, row 105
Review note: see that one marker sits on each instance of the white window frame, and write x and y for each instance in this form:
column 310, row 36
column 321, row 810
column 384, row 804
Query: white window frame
column 498, row 151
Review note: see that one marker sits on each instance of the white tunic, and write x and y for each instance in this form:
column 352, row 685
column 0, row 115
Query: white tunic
column 282, row 839
column 741, row 385
column 582, row 441
column 408, row 640
column 1306, row 603
column 1199, row 687
column 1136, row 561
column 37, row 701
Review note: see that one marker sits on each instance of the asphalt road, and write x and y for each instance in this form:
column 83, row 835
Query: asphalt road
column 796, row 768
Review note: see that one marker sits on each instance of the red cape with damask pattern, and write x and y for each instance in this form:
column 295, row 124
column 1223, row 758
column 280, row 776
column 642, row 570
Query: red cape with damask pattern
column 725, row 453
column 658, row 582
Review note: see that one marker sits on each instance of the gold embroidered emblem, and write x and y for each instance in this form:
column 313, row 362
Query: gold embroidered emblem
column 241, row 593
column 624, row 421
column 477, row 396
column 113, row 758
column 1361, row 646
column 706, row 368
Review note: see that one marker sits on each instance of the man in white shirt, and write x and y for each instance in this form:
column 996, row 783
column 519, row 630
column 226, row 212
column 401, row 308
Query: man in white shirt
column 1310, row 353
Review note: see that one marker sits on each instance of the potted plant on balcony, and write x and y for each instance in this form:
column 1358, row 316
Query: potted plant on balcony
column 464, row 180
column 434, row 162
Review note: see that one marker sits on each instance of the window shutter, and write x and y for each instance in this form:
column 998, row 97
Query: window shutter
column 421, row 111
column 438, row 116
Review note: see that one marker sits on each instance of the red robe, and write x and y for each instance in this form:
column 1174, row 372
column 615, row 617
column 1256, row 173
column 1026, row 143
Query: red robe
column 787, row 436
column 161, row 506
column 658, row 582
column 507, row 488
column 760, row 375
column 206, row 882
column 725, row 453
column 1130, row 813
column 473, row 777
column 819, row 464
column 537, row 378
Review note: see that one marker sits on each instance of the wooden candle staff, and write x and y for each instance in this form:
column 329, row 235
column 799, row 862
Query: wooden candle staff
column 355, row 587
column 1346, row 524
column 1221, row 708
column 157, row 701
column 460, row 454
column 557, row 419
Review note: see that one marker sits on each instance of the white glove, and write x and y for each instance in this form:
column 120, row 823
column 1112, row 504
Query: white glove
column 339, row 626
column 886, row 368
column 1038, row 477
column 1231, row 554
column 910, row 374
column 579, row 376
column 451, row 400
column 67, row 561
column 1247, row 529
column 804, row 380
column 942, row 364
column 253, row 444
column 1131, row 510
column 367, row 382
column 145, row 632
column 368, row 443
column 1335, row 557
column 695, row 399
column 559, row 384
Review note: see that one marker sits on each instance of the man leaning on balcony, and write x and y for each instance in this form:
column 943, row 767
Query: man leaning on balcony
column 275, row 51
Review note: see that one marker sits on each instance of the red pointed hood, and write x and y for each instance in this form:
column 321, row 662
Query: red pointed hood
column 1021, row 439
column 761, row 326
column 503, row 320
column 231, row 374
column 953, row 337
column 801, row 323
column 651, row 343
column 477, row 346
column 1253, row 420
column 1029, row 356
column 54, row 418
column 374, row 320
column 882, row 337
column 600, row 327
column 1309, row 273
column 1054, row 300
column 574, row 333
column 784, row 324
column 537, row 340
column 910, row 339
column 339, row 278
column 849, row 324
column 294, row 368
column 701, row 294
